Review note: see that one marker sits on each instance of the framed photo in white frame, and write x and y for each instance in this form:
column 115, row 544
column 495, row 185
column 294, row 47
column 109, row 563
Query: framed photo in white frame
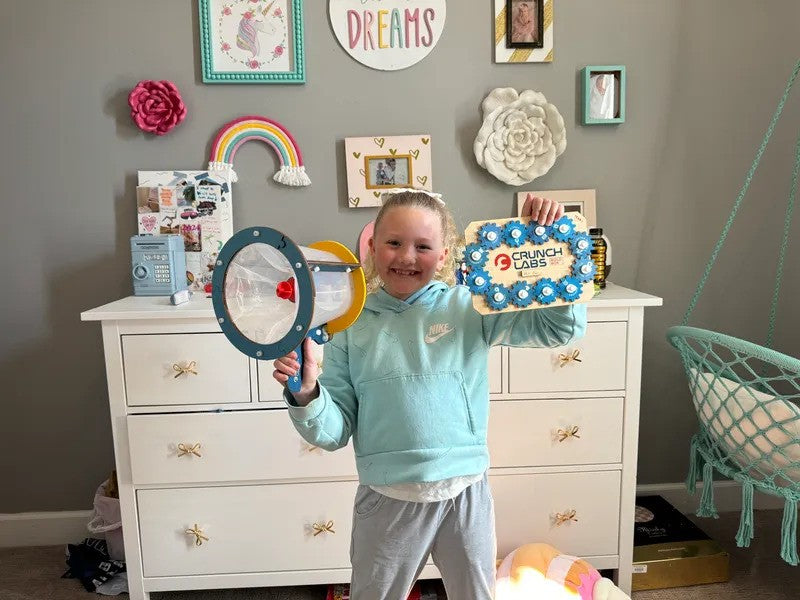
column 581, row 201
column 376, row 164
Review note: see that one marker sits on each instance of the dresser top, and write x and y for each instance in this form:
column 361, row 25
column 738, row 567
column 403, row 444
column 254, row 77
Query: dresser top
column 199, row 307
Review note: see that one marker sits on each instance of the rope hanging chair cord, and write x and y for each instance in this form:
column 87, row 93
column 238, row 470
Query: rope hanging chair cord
column 747, row 396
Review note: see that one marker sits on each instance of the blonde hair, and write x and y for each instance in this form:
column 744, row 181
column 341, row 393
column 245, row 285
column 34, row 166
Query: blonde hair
column 450, row 237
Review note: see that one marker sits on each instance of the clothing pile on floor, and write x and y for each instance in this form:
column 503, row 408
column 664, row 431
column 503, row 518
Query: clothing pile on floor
column 90, row 562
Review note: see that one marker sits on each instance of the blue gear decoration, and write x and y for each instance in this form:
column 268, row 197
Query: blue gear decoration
column 538, row 233
column 491, row 236
column 545, row 291
column 563, row 229
column 515, row 234
column 521, row 294
column 581, row 244
column 478, row 281
column 475, row 255
column 584, row 269
column 569, row 288
column 497, row 296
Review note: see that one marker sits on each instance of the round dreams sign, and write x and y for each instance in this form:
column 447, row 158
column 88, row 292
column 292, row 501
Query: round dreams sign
column 387, row 34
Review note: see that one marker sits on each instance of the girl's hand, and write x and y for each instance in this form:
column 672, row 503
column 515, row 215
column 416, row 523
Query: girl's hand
column 542, row 210
column 287, row 366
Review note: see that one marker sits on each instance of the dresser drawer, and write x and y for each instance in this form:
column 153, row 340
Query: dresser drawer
column 595, row 362
column 250, row 529
column 186, row 368
column 233, row 446
column 524, row 433
column 538, row 507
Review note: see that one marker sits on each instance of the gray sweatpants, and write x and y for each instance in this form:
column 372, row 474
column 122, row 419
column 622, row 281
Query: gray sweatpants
column 392, row 540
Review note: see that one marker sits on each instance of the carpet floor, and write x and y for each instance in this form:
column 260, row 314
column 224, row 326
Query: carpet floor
column 756, row 572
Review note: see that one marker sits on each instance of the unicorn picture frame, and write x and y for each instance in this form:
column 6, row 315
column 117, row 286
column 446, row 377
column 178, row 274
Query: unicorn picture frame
column 252, row 41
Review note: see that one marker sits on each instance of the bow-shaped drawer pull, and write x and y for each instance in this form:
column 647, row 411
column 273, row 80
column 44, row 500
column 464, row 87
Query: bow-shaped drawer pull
column 184, row 370
column 323, row 528
column 199, row 537
column 569, row 432
column 565, row 517
column 186, row 449
column 565, row 359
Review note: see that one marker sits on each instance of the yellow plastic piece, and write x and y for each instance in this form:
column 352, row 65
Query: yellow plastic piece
column 359, row 285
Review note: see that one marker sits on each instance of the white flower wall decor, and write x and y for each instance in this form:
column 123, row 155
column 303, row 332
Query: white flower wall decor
column 521, row 136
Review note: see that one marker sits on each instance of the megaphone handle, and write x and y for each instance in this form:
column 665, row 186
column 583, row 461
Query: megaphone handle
column 295, row 382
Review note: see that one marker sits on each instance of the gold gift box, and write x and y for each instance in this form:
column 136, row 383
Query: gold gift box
column 675, row 564
column 671, row 551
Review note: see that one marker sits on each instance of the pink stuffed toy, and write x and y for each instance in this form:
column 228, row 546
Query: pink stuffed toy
column 537, row 571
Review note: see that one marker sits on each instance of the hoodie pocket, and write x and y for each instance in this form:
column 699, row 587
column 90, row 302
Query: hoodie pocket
column 414, row 412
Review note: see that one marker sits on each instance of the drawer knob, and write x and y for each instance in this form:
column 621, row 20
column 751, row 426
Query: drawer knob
column 199, row 538
column 184, row 449
column 570, row 432
column 323, row 528
column 566, row 517
column 311, row 448
column 184, row 370
column 565, row 359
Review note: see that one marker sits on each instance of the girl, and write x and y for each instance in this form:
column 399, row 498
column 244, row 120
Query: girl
column 408, row 381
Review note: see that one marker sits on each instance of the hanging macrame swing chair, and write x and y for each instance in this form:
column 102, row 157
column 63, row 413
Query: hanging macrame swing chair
column 747, row 396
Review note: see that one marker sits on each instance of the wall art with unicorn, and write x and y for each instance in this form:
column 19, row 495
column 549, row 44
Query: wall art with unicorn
column 252, row 34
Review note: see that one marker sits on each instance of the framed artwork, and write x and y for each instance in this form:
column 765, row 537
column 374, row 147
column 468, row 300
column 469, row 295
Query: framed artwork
column 375, row 164
column 603, row 95
column 574, row 201
column 252, row 41
column 523, row 31
column 524, row 23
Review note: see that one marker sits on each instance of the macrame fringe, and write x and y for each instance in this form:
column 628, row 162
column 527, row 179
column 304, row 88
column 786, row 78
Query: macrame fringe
column 789, row 532
column 294, row 176
column 227, row 168
column 707, row 508
column 694, row 466
column 745, row 533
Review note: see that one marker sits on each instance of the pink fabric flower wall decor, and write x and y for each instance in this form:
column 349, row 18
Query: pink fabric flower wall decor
column 156, row 106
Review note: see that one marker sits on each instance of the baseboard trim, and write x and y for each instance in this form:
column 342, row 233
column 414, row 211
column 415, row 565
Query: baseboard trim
column 57, row 528
column 43, row 528
column 727, row 496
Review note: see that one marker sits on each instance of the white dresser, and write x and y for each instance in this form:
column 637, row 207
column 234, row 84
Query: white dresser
column 217, row 489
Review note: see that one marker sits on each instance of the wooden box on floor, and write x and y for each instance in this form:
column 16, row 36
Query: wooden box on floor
column 671, row 551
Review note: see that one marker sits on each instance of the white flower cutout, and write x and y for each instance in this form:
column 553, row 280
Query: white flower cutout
column 521, row 136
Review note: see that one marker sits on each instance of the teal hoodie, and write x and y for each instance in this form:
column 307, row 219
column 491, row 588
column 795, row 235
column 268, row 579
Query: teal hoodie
column 408, row 381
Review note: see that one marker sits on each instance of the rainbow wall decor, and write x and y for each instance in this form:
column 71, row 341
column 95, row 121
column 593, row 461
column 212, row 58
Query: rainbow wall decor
column 237, row 132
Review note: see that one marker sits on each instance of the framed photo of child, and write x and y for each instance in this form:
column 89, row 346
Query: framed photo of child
column 524, row 23
column 603, row 95
column 375, row 164
column 523, row 31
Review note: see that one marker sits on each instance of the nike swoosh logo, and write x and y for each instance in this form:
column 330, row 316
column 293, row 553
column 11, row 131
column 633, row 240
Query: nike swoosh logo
column 429, row 339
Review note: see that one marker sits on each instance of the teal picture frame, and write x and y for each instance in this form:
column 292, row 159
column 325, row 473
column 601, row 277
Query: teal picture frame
column 232, row 29
column 596, row 100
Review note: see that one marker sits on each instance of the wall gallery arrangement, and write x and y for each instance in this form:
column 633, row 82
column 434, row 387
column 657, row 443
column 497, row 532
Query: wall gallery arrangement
column 262, row 41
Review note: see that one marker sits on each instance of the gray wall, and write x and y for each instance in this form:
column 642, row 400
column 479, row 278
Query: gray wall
column 703, row 80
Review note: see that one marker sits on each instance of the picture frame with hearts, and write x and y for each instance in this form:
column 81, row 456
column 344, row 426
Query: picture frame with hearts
column 382, row 162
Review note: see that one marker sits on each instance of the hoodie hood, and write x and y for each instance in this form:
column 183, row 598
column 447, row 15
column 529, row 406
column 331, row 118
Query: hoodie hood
column 381, row 301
